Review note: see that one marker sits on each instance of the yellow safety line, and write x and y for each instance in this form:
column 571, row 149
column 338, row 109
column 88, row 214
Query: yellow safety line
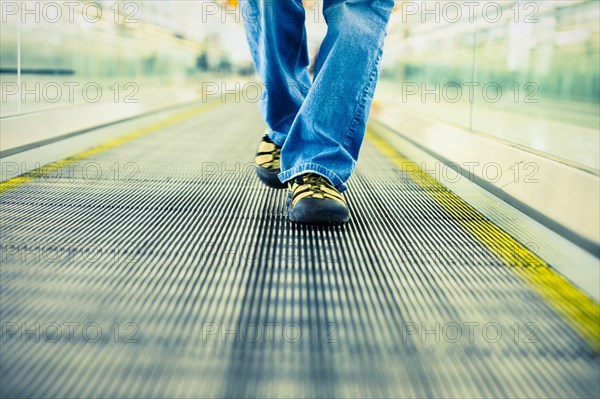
column 567, row 300
column 581, row 311
column 51, row 167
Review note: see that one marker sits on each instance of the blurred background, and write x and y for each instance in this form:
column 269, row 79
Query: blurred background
column 508, row 84
column 536, row 63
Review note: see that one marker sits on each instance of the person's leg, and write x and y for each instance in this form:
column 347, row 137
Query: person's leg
column 277, row 38
column 329, row 128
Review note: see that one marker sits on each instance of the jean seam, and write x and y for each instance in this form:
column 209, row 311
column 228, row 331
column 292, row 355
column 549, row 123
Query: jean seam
column 360, row 107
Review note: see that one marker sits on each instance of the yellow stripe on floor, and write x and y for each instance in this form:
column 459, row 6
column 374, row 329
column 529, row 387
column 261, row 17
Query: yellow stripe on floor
column 52, row 167
column 582, row 312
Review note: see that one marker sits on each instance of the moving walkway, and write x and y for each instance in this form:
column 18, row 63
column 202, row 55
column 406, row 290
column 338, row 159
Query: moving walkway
column 155, row 264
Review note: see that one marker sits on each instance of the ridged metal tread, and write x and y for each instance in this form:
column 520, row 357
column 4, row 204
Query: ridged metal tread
column 217, row 248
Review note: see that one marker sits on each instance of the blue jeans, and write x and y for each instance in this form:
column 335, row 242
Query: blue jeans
column 320, row 124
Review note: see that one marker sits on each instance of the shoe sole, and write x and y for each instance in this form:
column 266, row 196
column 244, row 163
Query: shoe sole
column 269, row 177
column 320, row 222
column 317, row 214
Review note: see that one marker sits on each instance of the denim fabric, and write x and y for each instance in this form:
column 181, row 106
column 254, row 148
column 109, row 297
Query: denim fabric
column 320, row 124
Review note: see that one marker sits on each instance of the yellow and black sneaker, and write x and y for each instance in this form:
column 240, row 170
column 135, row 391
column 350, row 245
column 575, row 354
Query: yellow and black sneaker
column 313, row 200
column 268, row 163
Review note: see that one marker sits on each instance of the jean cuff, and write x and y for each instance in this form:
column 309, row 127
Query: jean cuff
column 311, row 167
column 276, row 137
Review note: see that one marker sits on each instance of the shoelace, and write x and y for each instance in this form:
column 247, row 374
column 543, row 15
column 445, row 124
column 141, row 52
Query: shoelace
column 315, row 182
column 277, row 154
column 318, row 185
column 314, row 186
column 275, row 162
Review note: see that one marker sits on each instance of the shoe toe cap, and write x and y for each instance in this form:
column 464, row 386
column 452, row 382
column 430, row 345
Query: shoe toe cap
column 319, row 211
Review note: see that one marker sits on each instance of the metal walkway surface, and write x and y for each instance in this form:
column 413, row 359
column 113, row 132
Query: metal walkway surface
column 159, row 266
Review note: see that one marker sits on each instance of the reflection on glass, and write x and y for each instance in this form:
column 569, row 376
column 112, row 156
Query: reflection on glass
column 69, row 51
column 527, row 72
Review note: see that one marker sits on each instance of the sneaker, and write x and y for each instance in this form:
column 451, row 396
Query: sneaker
column 268, row 164
column 313, row 200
